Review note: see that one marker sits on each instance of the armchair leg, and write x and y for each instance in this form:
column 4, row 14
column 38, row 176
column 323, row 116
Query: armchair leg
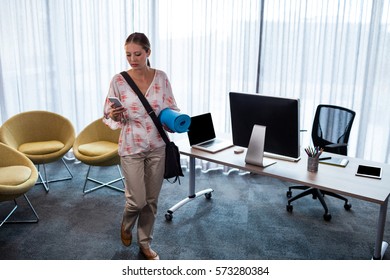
column 45, row 181
column 21, row 221
column 102, row 184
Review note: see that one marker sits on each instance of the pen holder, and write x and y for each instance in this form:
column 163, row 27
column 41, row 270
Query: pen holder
column 312, row 164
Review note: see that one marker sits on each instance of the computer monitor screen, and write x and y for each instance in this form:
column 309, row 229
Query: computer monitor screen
column 280, row 116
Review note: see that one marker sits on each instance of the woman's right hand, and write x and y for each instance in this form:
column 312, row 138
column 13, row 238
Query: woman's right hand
column 116, row 112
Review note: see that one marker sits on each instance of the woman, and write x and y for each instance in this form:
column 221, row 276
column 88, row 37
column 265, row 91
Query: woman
column 141, row 148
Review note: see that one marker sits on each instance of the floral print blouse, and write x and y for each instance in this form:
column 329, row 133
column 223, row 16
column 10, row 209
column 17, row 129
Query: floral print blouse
column 139, row 133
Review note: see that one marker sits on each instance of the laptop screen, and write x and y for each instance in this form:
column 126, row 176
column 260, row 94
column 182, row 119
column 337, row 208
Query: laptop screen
column 201, row 129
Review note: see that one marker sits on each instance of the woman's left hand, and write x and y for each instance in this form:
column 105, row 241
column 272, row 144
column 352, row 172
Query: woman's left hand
column 166, row 128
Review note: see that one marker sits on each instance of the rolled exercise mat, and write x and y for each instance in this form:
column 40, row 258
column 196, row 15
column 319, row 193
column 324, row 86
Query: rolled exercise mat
column 176, row 121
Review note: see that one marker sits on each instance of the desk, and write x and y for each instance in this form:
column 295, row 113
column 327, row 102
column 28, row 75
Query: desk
column 330, row 178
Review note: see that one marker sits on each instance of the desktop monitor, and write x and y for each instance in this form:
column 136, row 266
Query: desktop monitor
column 279, row 115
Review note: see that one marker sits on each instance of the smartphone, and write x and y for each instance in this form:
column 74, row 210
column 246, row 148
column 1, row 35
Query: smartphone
column 117, row 103
column 369, row 171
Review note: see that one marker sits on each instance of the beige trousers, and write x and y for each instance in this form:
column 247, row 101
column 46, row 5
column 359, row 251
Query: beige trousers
column 144, row 175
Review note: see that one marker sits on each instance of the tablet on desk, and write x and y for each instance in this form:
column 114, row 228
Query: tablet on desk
column 369, row 171
column 342, row 162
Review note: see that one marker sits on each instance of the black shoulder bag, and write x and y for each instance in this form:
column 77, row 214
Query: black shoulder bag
column 172, row 154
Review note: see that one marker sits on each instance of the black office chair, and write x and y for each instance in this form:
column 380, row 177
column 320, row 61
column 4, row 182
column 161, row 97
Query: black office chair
column 331, row 129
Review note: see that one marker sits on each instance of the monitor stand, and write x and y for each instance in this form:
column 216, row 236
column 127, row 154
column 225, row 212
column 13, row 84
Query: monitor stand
column 255, row 152
column 286, row 158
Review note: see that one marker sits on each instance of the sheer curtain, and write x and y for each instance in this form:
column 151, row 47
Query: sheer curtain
column 208, row 48
column 333, row 52
column 60, row 56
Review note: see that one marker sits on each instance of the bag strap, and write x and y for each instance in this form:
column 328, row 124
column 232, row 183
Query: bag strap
column 147, row 106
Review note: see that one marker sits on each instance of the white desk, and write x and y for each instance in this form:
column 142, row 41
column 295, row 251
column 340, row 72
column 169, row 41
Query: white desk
column 334, row 179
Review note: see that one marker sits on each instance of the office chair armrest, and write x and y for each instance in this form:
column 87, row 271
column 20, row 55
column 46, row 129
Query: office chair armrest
column 338, row 148
column 337, row 145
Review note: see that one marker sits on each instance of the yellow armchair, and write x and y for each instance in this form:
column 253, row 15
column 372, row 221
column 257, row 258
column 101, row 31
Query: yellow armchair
column 43, row 136
column 97, row 145
column 17, row 176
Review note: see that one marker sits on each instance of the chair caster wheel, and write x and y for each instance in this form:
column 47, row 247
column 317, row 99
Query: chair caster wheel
column 289, row 194
column 289, row 208
column 347, row 206
column 208, row 195
column 327, row 217
column 168, row 217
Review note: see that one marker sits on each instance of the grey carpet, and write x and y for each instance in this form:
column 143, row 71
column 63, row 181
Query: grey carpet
column 246, row 219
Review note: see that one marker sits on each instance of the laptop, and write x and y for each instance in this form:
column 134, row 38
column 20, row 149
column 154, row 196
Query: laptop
column 201, row 135
column 255, row 152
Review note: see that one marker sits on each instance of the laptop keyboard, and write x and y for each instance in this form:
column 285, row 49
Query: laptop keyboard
column 210, row 143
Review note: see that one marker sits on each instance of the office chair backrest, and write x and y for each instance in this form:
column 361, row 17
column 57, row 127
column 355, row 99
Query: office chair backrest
column 332, row 125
